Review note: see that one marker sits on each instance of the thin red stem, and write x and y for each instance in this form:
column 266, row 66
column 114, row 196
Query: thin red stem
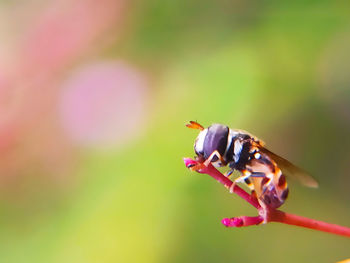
column 290, row 219
column 210, row 170
column 242, row 221
column 272, row 215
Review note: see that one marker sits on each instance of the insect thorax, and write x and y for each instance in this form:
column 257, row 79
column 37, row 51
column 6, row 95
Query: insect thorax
column 238, row 149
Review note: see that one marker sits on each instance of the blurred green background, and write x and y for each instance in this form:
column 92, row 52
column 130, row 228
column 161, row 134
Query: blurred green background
column 94, row 96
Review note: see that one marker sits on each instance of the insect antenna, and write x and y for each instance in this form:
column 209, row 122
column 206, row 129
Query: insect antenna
column 195, row 125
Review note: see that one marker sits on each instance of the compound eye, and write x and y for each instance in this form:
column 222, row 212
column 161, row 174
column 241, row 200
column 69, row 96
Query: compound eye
column 215, row 140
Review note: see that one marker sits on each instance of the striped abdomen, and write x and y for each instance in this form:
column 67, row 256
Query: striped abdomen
column 264, row 177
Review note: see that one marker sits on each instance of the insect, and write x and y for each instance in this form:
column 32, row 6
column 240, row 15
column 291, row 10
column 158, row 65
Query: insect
column 263, row 171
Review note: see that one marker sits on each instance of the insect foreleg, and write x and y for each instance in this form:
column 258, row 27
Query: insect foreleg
column 199, row 165
column 210, row 158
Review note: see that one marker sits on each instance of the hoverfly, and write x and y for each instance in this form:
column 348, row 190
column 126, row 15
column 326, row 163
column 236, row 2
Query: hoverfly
column 263, row 171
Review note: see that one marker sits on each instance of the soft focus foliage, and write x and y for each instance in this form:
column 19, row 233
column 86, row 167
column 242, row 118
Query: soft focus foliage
column 94, row 96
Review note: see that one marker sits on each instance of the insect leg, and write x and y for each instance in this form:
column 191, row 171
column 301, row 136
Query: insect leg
column 247, row 174
column 254, row 195
column 210, row 158
column 200, row 165
column 240, row 179
column 258, row 174
column 195, row 167
column 228, row 173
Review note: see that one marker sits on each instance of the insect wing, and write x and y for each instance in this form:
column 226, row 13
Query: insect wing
column 290, row 170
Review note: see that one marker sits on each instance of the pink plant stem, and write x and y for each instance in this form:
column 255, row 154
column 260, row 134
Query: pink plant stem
column 272, row 215
column 290, row 219
column 210, row 170
column 242, row 221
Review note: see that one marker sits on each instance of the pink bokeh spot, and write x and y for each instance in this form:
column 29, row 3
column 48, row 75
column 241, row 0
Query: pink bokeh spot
column 104, row 104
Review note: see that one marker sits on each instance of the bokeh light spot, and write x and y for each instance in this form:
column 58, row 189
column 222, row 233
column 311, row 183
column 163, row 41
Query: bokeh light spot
column 104, row 104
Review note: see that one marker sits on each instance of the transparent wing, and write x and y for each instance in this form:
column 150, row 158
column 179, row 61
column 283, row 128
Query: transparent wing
column 290, row 170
